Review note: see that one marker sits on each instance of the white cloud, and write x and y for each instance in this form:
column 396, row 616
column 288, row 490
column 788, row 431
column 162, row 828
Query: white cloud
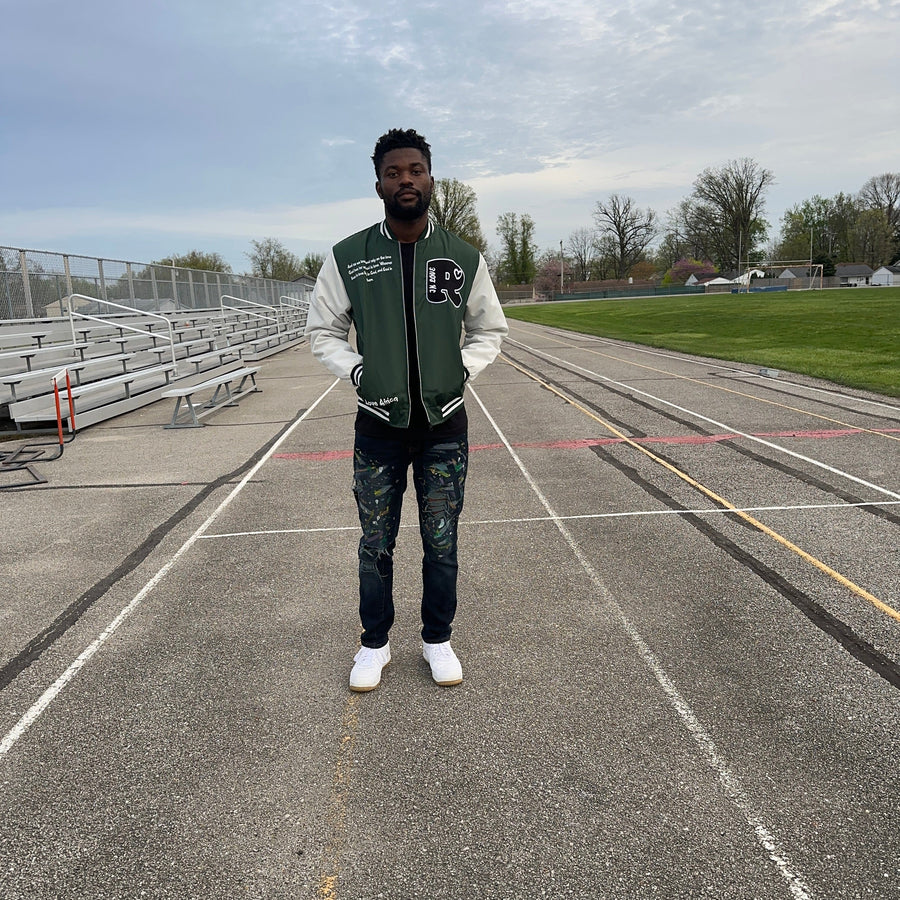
column 544, row 106
column 313, row 223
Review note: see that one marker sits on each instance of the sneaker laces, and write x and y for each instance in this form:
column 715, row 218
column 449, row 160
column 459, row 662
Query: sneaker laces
column 441, row 651
column 368, row 656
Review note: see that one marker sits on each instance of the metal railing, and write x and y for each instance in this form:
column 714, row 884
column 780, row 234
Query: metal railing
column 249, row 312
column 35, row 283
column 301, row 303
column 121, row 325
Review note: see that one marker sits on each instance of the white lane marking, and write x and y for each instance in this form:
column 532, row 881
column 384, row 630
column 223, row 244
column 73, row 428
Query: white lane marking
column 711, row 365
column 722, row 425
column 93, row 648
column 729, row 782
column 527, row 519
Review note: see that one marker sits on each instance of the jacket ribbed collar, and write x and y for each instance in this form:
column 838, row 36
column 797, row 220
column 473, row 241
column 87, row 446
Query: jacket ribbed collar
column 386, row 231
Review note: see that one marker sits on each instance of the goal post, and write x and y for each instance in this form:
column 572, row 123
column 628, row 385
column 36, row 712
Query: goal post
column 784, row 274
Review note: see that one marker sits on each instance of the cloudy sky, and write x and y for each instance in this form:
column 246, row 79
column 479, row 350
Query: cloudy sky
column 135, row 130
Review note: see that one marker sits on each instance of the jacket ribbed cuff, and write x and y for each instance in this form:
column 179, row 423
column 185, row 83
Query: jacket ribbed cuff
column 356, row 374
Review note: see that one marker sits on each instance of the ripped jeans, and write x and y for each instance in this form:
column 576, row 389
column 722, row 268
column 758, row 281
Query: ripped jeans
column 379, row 482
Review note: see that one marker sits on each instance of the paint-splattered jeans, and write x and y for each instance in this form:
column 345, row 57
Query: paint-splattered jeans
column 379, row 481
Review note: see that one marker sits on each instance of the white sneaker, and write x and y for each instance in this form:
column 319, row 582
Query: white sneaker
column 445, row 667
column 368, row 663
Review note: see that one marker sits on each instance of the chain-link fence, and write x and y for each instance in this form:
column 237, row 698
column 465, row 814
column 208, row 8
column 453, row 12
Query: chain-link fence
column 33, row 284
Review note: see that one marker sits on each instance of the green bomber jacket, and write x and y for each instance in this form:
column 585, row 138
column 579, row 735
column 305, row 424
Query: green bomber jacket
column 361, row 284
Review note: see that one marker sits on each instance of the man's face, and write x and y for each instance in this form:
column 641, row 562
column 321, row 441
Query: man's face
column 405, row 184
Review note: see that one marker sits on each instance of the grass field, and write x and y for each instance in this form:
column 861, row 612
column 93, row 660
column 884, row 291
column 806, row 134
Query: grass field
column 850, row 336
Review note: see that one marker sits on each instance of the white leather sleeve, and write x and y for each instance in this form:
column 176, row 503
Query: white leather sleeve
column 329, row 321
column 485, row 325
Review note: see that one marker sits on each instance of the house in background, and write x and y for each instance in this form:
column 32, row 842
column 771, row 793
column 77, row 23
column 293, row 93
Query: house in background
column 705, row 278
column 888, row 275
column 853, row 275
column 700, row 278
column 794, row 272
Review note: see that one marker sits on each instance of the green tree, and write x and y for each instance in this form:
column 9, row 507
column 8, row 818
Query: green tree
column 843, row 228
column 311, row 264
column 271, row 259
column 809, row 224
column 629, row 229
column 453, row 207
column 516, row 262
column 873, row 238
column 828, row 267
column 196, row 259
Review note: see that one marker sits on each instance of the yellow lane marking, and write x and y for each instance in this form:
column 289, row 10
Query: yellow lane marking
column 719, row 387
column 340, row 792
column 812, row 560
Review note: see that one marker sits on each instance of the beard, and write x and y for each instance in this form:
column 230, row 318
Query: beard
column 405, row 212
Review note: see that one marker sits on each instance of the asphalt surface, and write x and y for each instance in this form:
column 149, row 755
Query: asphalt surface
column 662, row 697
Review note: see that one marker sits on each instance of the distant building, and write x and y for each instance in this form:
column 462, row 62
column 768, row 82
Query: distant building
column 854, row 274
column 307, row 282
column 888, row 275
column 794, row 272
column 704, row 278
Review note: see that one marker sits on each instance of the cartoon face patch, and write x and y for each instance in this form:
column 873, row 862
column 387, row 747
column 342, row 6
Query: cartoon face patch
column 445, row 280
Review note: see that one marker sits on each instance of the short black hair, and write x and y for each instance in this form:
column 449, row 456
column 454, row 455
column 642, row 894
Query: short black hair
column 397, row 139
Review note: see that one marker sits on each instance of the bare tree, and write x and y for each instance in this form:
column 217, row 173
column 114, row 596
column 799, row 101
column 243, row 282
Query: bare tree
column 883, row 192
column 723, row 218
column 453, row 207
column 582, row 249
column 630, row 228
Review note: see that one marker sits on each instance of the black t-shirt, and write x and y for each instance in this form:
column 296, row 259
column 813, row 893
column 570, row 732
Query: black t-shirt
column 457, row 424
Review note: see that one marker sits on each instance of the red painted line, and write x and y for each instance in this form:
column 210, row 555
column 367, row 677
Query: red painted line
column 580, row 444
column 321, row 456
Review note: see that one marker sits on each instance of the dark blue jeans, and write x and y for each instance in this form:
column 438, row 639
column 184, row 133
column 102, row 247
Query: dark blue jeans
column 379, row 481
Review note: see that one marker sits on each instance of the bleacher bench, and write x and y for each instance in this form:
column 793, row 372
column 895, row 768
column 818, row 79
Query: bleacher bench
column 15, row 379
column 14, row 357
column 38, row 408
column 186, row 415
column 23, row 339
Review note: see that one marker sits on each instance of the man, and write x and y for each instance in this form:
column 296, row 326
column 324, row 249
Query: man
column 410, row 289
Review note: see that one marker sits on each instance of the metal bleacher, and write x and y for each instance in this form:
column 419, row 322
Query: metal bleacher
column 121, row 358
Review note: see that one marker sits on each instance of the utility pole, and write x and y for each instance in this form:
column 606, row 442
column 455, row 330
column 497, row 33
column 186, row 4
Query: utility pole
column 562, row 266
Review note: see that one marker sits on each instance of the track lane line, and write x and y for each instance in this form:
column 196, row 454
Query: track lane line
column 51, row 693
column 729, row 782
column 779, row 538
column 727, row 390
column 570, row 518
column 804, row 387
column 689, row 412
